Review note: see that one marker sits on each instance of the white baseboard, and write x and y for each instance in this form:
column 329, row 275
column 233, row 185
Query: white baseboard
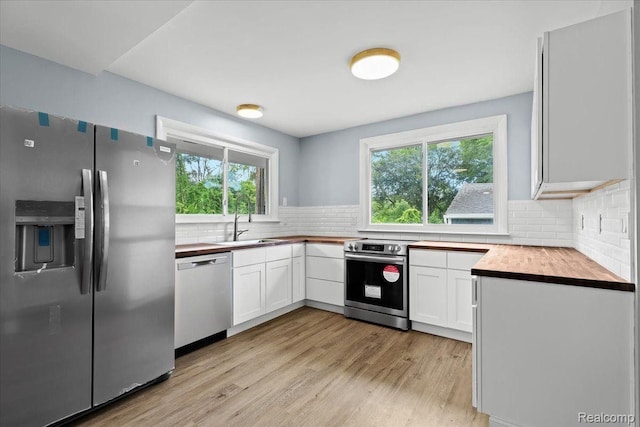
column 324, row 306
column 454, row 334
column 264, row 318
column 497, row 422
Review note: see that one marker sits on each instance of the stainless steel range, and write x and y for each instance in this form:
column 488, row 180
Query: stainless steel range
column 376, row 282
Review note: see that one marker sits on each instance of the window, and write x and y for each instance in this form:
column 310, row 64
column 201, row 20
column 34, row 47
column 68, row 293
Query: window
column 449, row 178
column 199, row 179
column 215, row 175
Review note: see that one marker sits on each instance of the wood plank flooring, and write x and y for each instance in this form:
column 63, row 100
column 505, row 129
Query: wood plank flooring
column 310, row 368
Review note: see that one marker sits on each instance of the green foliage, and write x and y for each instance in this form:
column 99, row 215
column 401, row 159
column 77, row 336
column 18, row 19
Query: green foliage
column 452, row 164
column 199, row 185
column 397, row 183
column 476, row 155
column 436, row 217
column 400, row 212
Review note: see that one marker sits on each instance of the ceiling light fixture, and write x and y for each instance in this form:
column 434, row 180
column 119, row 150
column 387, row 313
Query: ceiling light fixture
column 376, row 63
column 249, row 111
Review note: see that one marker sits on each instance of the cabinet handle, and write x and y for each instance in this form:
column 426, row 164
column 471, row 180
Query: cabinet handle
column 474, row 290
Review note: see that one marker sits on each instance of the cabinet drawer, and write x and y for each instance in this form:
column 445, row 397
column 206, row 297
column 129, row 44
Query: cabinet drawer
column 249, row 257
column 325, row 250
column 462, row 260
column 428, row 258
column 325, row 268
column 275, row 253
column 297, row 250
column 325, row 291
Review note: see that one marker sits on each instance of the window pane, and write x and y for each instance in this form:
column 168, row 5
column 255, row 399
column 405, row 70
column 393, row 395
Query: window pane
column 396, row 185
column 198, row 184
column 247, row 180
column 460, row 181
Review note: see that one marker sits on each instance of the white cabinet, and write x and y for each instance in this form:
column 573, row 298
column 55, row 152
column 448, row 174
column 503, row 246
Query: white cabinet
column 249, row 284
column 459, row 300
column 325, row 291
column 564, row 349
column 278, row 284
column 298, row 270
column 581, row 127
column 325, row 273
column 262, row 281
column 440, row 290
column 428, row 295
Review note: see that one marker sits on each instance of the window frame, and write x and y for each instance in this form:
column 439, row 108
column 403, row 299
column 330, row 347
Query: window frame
column 167, row 129
column 496, row 125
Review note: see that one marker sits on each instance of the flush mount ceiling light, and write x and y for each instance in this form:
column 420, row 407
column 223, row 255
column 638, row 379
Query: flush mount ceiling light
column 249, row 111
column 376, row 63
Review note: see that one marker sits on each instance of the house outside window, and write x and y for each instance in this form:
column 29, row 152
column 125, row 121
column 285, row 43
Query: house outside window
column 448, row 178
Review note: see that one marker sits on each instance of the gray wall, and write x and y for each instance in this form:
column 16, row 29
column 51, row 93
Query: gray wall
column 37, row 84
column 333, row 179
column 317, row 170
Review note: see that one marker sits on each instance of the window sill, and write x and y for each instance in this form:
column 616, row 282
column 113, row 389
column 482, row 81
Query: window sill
column 422, row 231
column 222, row 219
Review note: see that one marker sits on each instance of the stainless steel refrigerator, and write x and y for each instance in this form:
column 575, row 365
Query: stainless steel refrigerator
column 87, row 248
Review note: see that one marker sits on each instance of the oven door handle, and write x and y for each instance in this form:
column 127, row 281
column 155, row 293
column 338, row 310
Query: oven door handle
column 382, row 259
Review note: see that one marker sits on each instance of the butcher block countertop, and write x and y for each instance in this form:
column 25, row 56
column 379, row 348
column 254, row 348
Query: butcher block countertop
column 452, row 246
column 195, row 249
column 548, row 264
column 564, row 266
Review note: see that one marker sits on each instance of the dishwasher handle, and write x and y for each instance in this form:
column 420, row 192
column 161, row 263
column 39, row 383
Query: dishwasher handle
column 199, row 262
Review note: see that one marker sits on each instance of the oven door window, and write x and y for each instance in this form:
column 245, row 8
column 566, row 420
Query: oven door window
column 375, row 283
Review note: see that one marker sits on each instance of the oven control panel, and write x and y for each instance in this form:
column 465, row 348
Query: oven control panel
column 380, row 247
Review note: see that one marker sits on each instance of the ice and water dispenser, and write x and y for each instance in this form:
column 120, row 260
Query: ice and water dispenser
column 45, row 234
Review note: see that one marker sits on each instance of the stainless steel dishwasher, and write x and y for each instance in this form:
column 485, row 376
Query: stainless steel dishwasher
column 203, row 297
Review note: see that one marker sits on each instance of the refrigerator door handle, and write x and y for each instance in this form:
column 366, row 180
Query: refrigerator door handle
column 103, row 185
column 87, row 258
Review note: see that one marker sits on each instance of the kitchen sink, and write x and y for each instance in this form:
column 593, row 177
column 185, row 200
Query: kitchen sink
column 247, row 242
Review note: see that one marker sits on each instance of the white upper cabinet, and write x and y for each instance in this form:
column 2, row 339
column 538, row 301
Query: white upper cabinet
column 581, row 126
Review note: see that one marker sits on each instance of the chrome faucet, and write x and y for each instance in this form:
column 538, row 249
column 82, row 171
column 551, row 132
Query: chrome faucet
column 237, row 232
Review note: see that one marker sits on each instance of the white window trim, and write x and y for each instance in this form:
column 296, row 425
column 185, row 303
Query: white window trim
column 496, row 125
column 168, row 128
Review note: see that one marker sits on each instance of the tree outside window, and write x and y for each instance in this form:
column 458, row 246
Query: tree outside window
column 397, row 181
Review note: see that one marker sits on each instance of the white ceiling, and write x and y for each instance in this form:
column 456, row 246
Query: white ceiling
column 292, row 57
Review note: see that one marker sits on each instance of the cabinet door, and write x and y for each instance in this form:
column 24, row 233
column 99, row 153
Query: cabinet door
column 459, row 313
column 298, row 279
column 428, row 295
column 248, row 292
column 536, row 124
column 587, row 79
column 552, row 346
column 278, row 284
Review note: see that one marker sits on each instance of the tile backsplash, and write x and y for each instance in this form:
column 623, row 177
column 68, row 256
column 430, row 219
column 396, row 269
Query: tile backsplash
column 539, row 223
column 530, row 223
column 219, row 232
column 600, row 222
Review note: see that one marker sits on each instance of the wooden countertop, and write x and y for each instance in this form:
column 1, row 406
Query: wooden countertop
column 452, row 246
column 532, row 263
column 195, row 249
column 548, row 264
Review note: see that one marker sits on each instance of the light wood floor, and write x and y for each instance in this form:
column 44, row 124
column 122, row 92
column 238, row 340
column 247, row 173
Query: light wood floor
column 310, row 368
